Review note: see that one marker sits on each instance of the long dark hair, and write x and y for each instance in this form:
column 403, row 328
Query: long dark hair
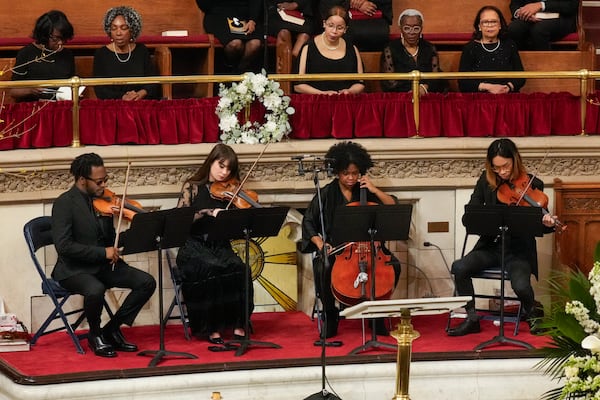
column 505, row 148
column 50, row 21
column 503, row 26
column 219, row 152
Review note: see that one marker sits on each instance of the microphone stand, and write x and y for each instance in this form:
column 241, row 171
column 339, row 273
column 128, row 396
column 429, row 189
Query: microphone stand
column 323, row 393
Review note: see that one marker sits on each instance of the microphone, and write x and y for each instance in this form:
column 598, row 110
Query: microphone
column 300, row 158
column 428, row 244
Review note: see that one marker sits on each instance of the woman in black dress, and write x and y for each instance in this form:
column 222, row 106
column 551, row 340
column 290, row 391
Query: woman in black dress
column 52, row 61
column 213, row 281
column 330, row 53
column 410, row 53
column 237, row 24
column 490, row 50
column 124, row 57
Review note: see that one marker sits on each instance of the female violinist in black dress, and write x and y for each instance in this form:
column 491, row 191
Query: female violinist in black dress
column 213, row 281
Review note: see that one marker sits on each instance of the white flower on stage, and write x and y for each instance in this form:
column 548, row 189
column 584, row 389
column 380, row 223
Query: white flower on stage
column 239, row 97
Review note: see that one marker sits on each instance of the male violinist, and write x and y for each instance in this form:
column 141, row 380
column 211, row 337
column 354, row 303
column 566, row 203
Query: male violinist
column 88, row 259
column 503, row 166
column 350, row 163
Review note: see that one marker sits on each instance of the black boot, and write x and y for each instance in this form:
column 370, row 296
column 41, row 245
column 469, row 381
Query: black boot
column 100, row 347
column 469, row 325
column 115, row 338
column 533, row 316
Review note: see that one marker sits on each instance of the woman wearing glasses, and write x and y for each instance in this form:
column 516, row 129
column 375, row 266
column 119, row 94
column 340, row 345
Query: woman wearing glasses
column 45, row 58
column 410, row 53
column 329, row 53
column 490, row 50
column 503, row 166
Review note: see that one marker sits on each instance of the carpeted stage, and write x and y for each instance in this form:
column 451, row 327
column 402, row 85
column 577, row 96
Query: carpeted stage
column 54, row 359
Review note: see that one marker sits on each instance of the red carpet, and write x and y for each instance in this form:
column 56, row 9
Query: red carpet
column 293, row 331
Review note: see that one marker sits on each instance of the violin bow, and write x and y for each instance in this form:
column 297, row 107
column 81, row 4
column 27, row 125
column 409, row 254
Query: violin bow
column 121, row 208
column 239, row 188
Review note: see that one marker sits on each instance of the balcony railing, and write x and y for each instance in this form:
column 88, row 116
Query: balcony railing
column 585, row 78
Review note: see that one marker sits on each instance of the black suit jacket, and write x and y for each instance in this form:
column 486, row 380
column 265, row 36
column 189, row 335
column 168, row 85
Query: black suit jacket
column 80, row 237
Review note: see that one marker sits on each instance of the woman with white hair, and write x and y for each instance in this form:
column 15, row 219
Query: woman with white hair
column 410, row 53
column 124, row 57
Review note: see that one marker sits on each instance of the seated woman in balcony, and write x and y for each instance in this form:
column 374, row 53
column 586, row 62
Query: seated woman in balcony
column 490, row 50
column 238, row 26
column 124, row 57
column 301, row 28
column 410, row 53
column 329, row 53
column 370, row 20
column 45, row 58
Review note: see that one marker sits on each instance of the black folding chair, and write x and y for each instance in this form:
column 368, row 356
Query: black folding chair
column 38, row 234
column 178, row 300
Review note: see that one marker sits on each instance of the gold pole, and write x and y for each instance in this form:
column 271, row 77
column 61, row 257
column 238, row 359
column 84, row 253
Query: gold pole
column 75, row 83
column 583, row 97
column 416, row 97
column 405, row 334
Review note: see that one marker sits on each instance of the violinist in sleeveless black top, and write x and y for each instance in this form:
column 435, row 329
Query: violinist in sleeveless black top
column 350, row 165
column 503, row 165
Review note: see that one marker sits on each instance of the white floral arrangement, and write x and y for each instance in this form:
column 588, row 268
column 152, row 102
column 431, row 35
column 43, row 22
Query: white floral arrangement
column 575, row 331
column 239, row 97
column 582, row 373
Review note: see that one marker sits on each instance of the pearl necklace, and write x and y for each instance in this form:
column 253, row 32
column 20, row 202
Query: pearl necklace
column 325, row 43
column 117, row 54
column 492, row 50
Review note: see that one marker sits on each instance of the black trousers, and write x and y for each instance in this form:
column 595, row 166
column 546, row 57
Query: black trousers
column 517, row 267
column 93, row 286
column 540, row 35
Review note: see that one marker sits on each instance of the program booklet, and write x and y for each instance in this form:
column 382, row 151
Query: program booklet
column 547, row 15
column 291, row 16
column 237, row 25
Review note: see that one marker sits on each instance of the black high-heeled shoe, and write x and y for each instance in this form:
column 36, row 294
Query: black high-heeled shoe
column 216, row 340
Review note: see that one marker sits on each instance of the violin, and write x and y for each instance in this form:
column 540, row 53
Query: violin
column 231, row 191
column 520, row 193
column 352, row 272
column 109, row 204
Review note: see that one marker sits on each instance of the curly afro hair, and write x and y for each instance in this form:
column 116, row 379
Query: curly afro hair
column 345, row 153
column 132, row 18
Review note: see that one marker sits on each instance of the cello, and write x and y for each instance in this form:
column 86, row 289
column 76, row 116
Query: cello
column 352, row 276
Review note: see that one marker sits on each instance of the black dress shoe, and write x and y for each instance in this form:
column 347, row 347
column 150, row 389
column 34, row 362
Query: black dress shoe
column 100, row 347
column 117, row 340
column 216, row 340
column 466, row 327
column 238, row 337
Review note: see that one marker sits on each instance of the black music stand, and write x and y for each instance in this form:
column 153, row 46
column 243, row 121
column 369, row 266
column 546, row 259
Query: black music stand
column 159, row 230
column 244, row 224
column 521, row 222
column 370, row 224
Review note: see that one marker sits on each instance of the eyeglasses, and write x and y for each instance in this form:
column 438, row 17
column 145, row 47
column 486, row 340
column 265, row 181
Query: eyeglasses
column 56, row 38
column 340, row 28
column 500, row 168
column 412, row 29
column 98, row 181
column 492, row 22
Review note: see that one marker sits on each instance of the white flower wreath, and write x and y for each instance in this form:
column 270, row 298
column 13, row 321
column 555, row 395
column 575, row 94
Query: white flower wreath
column 239, row 97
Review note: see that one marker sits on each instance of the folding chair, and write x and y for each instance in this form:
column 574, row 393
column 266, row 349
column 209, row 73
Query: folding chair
column 178, row 300
column 494, row 273
column 38, row 234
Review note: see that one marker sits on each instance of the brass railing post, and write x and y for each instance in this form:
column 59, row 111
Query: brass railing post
column 416, row 79
column 584, row 75
column 75, row 84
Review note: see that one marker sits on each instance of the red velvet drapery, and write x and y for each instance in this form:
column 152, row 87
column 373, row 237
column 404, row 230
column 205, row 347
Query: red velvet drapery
column 390, row 115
